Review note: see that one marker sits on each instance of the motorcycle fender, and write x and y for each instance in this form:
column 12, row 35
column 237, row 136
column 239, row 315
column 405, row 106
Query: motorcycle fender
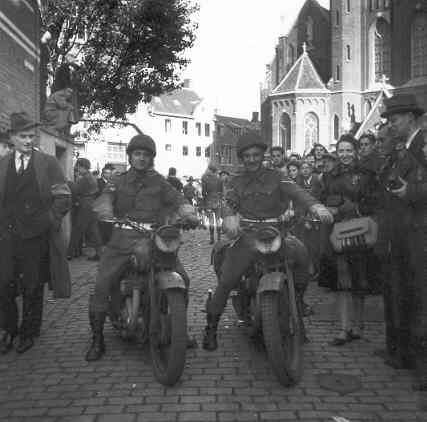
column 271, row 282
column 169, row 280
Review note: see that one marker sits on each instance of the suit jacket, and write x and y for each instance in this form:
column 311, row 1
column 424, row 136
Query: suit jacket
column 416, row 149
column 55, row 195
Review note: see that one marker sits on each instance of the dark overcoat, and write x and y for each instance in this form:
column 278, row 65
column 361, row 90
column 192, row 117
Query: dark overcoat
column 56, row 196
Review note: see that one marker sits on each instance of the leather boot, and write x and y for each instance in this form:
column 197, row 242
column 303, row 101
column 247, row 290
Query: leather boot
column 97, row 348
column 209, row 336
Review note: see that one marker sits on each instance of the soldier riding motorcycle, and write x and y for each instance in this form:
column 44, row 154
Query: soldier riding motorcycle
column 136, row 200
column 254, row 203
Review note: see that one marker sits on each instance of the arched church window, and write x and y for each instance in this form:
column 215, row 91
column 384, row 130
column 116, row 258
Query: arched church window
column 382, row 45
column 336, row 127
column 419, row 46
column 285, row 132
column 311, row 130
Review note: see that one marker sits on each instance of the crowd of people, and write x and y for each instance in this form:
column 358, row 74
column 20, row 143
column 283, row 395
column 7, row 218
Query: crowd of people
column 370, row 194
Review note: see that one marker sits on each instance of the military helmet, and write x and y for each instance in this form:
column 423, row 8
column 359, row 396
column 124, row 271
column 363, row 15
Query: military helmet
column 141, row 141
column 249, row 139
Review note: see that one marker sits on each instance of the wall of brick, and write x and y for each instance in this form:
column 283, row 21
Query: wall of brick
column 19, row 65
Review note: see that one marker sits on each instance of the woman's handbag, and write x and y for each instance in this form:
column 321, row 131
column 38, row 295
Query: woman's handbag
column 357, row 234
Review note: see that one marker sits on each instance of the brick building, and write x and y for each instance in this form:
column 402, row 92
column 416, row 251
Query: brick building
column 19, row 58
column 227, row 132
column 371, row 45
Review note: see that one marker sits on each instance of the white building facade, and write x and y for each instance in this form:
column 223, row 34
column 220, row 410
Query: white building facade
column 181, row 123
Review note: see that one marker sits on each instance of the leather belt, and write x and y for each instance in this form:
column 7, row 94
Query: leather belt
column 125, row 226
column 267, row 220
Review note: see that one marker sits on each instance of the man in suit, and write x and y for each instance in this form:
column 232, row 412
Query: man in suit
column 34, row 197
column 403, row 114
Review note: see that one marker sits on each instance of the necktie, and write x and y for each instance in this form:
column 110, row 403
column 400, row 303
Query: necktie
column 21, row 167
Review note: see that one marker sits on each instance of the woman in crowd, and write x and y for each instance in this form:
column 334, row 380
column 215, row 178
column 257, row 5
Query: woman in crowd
column 294, row 171
column 318, row 151
column 350, row 192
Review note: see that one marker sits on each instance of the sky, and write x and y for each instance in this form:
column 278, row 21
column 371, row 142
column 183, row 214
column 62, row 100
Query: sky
column 235, row 40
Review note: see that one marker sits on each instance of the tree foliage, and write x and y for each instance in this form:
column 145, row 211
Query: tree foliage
column 126, row 50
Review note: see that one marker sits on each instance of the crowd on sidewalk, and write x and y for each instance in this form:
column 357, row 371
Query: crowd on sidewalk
column 375, row 187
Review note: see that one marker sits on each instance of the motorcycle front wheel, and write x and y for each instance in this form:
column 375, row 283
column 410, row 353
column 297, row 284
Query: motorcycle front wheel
column 168, row 344
column 283, row 336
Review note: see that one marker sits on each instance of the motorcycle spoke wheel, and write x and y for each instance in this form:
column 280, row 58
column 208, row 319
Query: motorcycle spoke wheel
column 168, row 347
column 282, row 337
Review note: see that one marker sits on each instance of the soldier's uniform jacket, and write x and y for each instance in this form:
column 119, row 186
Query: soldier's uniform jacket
column 212, row 188
column 261, row 194
column 145, row 197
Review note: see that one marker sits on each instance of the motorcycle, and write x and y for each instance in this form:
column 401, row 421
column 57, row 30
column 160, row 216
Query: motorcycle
column 265, row 299
column 152, row 300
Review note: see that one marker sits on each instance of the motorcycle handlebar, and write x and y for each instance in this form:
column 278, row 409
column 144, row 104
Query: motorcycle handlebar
column 145, row 227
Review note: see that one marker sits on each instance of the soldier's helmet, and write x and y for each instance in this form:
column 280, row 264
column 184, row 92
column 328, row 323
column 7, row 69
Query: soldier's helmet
column 141, row 141
column 249, row 139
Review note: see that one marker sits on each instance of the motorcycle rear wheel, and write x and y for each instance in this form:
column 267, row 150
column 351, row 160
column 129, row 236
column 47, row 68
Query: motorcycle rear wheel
column 168, row 348
column 283, row 337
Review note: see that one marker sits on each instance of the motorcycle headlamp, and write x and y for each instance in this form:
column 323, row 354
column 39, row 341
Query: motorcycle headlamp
column 168, row 239
column 268, row 240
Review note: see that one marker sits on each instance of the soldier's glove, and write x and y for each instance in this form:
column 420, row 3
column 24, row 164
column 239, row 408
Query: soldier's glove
column 323, row 213
column 231, row 225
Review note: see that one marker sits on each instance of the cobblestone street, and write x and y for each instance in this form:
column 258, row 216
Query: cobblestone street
column 53, row 382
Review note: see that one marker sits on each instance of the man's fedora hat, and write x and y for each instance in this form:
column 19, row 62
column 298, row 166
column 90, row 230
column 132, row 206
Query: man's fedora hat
column 21, row 121
column 401, row 103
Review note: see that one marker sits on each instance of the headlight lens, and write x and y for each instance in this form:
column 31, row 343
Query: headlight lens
column 168, row 239
column 268, row 240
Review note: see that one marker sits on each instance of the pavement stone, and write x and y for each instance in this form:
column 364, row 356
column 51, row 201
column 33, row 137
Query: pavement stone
column 52, row 382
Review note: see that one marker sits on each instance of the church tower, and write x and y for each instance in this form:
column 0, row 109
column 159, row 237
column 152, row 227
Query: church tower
column 348, row 63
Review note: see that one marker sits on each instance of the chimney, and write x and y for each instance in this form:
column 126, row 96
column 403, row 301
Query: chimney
column 255, row 115
column 187, row 83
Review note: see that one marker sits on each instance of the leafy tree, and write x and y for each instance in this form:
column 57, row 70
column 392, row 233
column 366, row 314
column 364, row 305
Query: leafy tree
column 126, row 50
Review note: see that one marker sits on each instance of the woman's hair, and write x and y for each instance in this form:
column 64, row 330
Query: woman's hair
column 347, row 137
column 293, row 163
column 369, row 136
column 277, row 148
column 306, row 162
column 317, row 145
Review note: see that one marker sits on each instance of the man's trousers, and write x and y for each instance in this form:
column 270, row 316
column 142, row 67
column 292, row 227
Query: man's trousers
column 26, row 257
